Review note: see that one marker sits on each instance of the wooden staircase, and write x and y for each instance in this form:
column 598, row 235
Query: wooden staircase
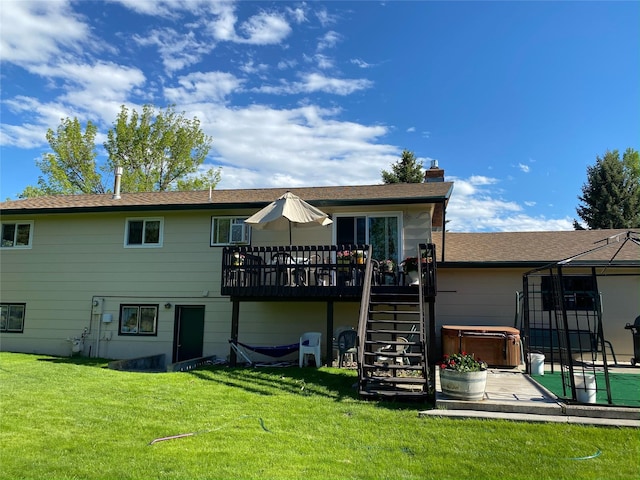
column 392, row 335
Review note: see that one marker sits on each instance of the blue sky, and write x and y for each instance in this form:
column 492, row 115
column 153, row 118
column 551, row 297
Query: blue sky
column 514, row 99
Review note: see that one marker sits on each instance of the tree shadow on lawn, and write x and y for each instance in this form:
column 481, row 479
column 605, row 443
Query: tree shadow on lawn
column 338, row 384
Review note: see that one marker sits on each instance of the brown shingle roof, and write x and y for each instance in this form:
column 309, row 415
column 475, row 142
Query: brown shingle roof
column 362, row 194
column 536, row 247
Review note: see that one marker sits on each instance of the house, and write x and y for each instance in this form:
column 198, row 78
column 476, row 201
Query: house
column 129, row 275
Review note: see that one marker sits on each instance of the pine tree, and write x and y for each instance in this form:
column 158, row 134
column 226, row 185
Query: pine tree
column 405, row 170
column 611, row 196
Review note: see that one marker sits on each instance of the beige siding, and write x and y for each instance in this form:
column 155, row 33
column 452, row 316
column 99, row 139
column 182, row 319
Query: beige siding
column 77, row 259
column 484, row 296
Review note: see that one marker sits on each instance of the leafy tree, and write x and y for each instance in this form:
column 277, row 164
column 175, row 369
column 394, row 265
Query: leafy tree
column 159, row 150
column 611, row 196
column 405, row 170
column 71, row 168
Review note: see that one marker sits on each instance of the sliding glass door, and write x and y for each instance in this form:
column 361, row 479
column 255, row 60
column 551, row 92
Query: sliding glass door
column 382, row 232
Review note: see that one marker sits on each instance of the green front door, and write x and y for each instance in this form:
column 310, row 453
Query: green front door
column 189, row 332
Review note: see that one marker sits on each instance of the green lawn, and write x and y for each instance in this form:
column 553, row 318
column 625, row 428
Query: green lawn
column 75, row 419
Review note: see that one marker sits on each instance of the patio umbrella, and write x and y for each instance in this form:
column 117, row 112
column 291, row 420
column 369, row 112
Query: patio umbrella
column 286, row 210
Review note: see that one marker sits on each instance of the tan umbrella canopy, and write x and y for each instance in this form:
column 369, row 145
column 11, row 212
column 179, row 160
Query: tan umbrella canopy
column 286, row 210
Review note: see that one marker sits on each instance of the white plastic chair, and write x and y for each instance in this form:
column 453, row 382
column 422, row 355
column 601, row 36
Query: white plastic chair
column 310, row 345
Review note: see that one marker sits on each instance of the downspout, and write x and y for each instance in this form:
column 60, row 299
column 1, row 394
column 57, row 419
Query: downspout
column 444, row 223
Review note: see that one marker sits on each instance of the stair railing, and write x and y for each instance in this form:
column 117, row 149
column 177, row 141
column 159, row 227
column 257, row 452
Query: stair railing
column 364, row 314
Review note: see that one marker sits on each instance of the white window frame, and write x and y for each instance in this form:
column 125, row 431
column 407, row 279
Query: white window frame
column 144, row 221
column 246, row 229
column 367, row 216
column 5, row 309
column 17, row 223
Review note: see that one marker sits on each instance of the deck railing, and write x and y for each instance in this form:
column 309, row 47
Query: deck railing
column 295, row 271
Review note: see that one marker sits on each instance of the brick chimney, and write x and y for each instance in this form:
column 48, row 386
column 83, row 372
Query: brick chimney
column 434, row 173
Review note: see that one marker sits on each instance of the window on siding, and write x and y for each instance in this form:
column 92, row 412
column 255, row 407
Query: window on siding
column 138, row 320
column 579, row 292
column 229, row 230
column 144, row 232
column 12, row 317
column 17, row 234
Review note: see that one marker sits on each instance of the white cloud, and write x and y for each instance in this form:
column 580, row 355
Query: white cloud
column 261, row 29
column 475, row 207
column 299, row 14
column 323, row 61
column 37, row 31
column 178, row 50
column 524, row 168
column 315, row 82
column 325, row 18
column 361, row 63
column 203, row 87
column 530, row 204
column 411, row 129
column 262, row 147
column 328, row 40
column 264, row 29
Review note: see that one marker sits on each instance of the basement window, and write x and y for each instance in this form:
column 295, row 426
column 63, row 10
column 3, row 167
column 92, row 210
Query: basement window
column 138, row 320
column 12, row 317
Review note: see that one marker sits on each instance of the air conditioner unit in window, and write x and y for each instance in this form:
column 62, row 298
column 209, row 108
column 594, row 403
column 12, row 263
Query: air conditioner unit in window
column 239, row 233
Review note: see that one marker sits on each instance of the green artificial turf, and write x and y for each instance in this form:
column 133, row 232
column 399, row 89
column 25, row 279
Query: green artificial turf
column 75, row 419
column 625, row 387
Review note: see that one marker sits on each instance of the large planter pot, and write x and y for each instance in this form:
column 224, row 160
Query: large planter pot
column 463, row 385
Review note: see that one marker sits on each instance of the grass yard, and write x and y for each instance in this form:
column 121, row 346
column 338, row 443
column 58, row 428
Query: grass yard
column 74, row 419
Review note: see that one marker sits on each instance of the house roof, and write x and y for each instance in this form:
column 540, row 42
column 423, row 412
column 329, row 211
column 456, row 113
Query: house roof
column 399, row 193
column 538, row 248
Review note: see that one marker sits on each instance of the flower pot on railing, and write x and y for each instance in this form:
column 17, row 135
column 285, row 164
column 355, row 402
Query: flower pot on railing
column 344, row 260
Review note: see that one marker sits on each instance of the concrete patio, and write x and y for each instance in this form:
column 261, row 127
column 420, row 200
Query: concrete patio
column 511, row 394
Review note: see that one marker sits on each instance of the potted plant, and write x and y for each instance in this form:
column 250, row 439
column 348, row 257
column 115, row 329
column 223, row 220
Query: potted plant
column 463, row 377
column 344, row 257
column 387, row 265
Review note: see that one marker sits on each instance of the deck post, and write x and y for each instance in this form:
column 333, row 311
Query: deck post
column 329, row 333
column 235, row 314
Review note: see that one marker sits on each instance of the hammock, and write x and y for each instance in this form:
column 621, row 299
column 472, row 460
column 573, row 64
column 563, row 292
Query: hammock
column 276, row 351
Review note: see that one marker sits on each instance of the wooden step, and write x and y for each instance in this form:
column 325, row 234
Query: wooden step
column 400, row 333
column 405, row 380
column 393, row 393
column 391, row 342
column 390, row 366
column 392, row 320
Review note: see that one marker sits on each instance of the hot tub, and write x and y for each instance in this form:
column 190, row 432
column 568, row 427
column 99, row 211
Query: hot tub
column 498, row 346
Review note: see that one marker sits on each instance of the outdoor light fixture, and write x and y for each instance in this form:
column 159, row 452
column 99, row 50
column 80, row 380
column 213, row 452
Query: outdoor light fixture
column 167, row 305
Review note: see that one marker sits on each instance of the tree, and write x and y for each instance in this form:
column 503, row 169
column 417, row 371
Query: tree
column 159, row 151
column 611, row 196
column 405, row 170
column 71, row 168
